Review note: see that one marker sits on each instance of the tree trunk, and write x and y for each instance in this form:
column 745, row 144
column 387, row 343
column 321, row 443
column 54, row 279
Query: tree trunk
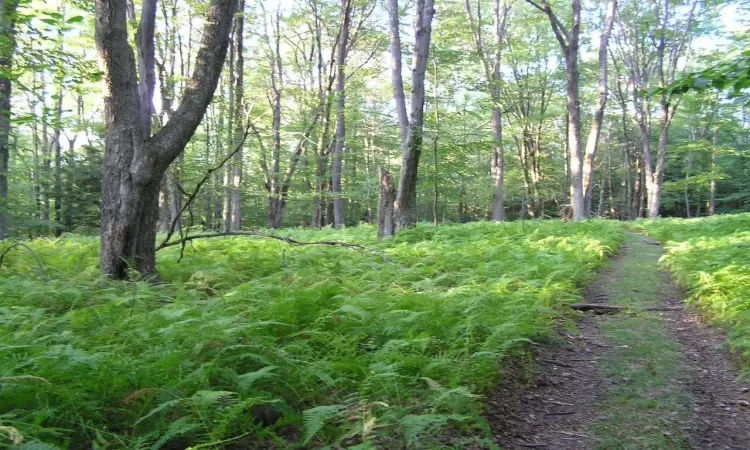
column 276, row 211
column 386, row 225
column 498, row 164
column 235, row 216
column 338, row 150
column 405, row 206
column 712, row 198
column 574, row 111
column 396, row 71
column 165, row 218
column 688, row 169
column 491, row 63
column 435, row 137
column 569, row 44
column 134, row 161
column 7, row 35
column 598, row 117
column 175, row 198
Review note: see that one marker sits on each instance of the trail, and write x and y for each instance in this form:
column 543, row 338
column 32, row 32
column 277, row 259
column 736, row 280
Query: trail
column 634, row 379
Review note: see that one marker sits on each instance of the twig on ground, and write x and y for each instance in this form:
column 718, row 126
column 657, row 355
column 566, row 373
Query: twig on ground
column 573, row 434
column 602, row 308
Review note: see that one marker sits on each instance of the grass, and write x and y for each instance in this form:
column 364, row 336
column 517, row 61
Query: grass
column 711, row 258
column 645, row 406
column 255, row 344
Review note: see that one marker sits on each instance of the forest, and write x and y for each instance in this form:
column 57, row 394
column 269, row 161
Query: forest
column 362, row 224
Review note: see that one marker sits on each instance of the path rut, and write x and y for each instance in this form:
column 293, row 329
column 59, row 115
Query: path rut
column 631, row 380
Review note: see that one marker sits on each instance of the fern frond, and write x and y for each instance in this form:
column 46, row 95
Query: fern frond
column 315, row 418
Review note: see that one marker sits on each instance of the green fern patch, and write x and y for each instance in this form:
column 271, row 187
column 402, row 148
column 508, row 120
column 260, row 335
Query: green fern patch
column 256, row 344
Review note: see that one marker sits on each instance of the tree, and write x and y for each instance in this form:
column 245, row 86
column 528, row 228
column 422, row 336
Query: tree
column 491, row 59
column 8, row 17
column 653, row 42
column 338, row 150
column 598, row 117
column 233, row 222
column 405, row 205
column 569, row 44
column 134, row 160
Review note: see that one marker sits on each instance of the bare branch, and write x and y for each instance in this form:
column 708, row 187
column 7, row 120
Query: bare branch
column 200, row 184
column 288, row 240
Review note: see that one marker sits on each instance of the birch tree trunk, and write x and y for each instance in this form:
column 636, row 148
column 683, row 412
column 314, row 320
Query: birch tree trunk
column 235, row 215
column 598, row 116
column 134, row 160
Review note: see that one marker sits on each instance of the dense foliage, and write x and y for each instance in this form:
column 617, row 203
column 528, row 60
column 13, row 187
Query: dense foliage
column 57, row 132
column 258, row 344
column 711, row 257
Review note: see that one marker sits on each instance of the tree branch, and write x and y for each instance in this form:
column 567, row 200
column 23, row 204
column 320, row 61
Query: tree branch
column 198, row 186
column 288, row 240
column 170, row 141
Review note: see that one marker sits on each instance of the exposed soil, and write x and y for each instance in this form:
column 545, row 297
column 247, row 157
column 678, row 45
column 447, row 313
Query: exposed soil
column 561, row 406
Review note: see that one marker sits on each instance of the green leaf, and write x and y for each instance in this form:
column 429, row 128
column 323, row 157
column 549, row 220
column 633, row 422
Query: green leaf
column 701, row 82
column 75, row 19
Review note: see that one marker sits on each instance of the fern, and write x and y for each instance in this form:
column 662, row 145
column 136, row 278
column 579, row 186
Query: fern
column 315, row 418
column 245, row 381
column 415, row 424
column 208, row 398
column 342, row 330
column 179, row 427
column 160, row 409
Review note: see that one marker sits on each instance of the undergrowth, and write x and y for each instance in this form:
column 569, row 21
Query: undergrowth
column 711, row 257
column 256, row 344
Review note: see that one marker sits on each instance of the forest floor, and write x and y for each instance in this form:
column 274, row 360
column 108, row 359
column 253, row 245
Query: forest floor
column 635, row 379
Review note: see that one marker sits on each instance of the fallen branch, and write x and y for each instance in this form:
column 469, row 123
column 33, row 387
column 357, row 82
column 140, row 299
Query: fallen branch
column 288, row 240
column 198, row 187
column 605, row 309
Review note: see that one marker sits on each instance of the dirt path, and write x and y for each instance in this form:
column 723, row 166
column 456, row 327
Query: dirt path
column 631, row 380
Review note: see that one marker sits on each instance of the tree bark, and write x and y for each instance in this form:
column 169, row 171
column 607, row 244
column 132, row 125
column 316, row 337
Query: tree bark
column 235, row 215
column 714, row 151
column 338, row 150
column 134, row 161
column 7, row 35
column 396, row 71
column 596, row 122
column 491, row 64
column 386, row 224
column 405, row 206
column 56, row 137
column 569, row 44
